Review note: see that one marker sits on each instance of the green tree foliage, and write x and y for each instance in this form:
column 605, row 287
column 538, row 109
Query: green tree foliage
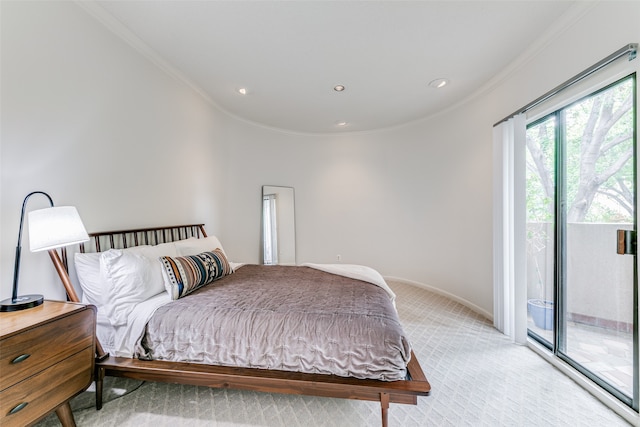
column 598, row 135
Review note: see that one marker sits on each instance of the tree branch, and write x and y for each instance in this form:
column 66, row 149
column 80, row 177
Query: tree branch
column 615, row 116
column 615, row 167
column 613, row 194
column 619, row 140
column 538, row 159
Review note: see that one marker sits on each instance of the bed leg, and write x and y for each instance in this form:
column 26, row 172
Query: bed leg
column 99, row 385
column 384, row 403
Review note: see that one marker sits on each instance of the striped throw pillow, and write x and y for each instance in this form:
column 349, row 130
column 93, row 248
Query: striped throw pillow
column 183, row 275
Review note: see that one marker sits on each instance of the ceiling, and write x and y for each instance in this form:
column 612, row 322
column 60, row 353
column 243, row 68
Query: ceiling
column 289, row 55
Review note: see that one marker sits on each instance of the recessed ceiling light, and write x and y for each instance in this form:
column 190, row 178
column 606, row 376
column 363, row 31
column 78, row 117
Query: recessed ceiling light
column 342, row 123
column 438, row 83
column 338, row 88
column 242, row 91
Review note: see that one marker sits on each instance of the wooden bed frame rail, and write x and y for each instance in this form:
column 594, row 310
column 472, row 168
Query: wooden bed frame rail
column 385, row 392
column 270, row 381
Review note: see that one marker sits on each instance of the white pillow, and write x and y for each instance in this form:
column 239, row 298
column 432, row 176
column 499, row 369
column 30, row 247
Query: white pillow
column 131, row 276
column 195, row 246
column 88, row 271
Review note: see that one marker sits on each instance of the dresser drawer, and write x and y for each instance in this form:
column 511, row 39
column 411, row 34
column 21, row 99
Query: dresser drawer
column 35, row 349
column 46, row 390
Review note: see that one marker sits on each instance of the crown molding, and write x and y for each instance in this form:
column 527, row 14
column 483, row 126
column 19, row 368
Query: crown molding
column 120, row 30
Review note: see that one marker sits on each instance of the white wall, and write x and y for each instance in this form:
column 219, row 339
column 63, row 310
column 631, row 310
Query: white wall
column 408, row 201
column 90, row 121
column 413, row 202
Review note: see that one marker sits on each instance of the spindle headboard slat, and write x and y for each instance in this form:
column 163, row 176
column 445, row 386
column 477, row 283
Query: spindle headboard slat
column 122, row 239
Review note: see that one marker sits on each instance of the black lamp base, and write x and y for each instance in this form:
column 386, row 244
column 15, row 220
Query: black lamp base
column 22, row 302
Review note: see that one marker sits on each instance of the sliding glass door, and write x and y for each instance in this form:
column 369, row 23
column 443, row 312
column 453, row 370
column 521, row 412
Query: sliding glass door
column 581, row 225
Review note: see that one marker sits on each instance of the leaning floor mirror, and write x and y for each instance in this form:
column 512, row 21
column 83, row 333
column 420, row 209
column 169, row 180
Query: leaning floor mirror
column 278, row 226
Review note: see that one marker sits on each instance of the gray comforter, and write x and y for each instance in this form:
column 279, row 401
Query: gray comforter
column 284, row 318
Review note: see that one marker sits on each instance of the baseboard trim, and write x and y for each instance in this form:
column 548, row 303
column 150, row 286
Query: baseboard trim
column 438, row 291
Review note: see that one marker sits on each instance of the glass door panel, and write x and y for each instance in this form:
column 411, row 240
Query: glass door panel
column 581, row 189
column 541, row 194
column 600, row 189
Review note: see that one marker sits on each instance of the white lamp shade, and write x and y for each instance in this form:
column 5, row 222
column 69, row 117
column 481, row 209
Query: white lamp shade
column 55, row 227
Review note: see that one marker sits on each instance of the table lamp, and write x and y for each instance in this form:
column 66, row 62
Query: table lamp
column 49, row 229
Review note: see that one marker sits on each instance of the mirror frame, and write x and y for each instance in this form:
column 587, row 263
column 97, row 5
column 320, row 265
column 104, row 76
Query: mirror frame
column 286, row 225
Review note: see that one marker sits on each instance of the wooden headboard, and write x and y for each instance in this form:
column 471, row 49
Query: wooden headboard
column 122, row 239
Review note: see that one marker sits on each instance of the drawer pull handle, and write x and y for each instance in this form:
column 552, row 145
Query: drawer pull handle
column 18, row 408
column 20, row 358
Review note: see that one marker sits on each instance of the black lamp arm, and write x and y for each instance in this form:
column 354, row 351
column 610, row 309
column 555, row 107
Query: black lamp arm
column 16, row 269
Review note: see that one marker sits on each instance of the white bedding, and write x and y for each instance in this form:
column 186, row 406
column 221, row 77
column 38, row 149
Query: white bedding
column 358, row 272
column 105, row 332
column 124, row 337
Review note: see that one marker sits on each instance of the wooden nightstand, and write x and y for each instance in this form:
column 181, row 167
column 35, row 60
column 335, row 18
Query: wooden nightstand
column 46, row 358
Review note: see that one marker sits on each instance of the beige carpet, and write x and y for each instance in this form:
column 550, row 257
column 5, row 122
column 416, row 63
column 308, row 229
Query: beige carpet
column 478, row 378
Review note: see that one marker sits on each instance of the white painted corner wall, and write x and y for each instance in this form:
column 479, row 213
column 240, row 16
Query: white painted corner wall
column 88, row 119
column 94, row 124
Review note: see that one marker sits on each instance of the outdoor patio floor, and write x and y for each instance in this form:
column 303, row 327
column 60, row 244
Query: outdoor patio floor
column 605, row 352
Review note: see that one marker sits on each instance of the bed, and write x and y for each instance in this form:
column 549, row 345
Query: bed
column 314, row 329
